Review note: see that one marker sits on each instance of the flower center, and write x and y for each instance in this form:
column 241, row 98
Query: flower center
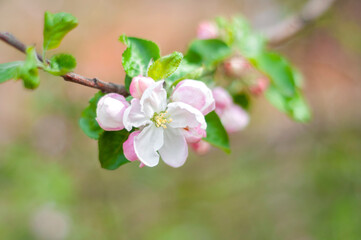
column 160, row 119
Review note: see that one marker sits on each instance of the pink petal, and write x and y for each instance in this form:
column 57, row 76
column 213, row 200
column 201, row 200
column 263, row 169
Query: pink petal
column 128, row 147
column 194, row 135
column 139, row 84
column 201, row 147
column 222, row 98
column 110, row 111
column 207, row 30
column 196, row 94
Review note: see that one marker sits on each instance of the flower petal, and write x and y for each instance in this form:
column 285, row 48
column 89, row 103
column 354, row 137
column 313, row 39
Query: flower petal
column 128, row 147
column 234, row 118
column 133, row 116
column 154, row 99
column 174, row 151
column 147, row 143
column 184, row 115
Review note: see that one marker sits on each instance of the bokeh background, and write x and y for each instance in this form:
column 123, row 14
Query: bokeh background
column 283, row 180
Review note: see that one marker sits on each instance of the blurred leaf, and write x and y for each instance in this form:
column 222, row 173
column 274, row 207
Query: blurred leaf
column 110, row 145
column 243, row 100
column 295, row 106
column 87, row 121
column 208, row 52
column 61, row 64
column 28, row 72
column 279, row 70
column 216, row 134
column 9, row 70
column 165, row 66
column 138, row 55
column 56, row 26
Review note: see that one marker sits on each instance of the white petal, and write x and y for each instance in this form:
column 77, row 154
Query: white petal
column 184, row 115
column 174, row 151
column 154, row 99
column 133, row 116
column 147, row 143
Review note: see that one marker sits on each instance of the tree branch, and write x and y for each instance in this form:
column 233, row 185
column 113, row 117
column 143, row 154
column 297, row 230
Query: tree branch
column 312, row 10
column 106, row 87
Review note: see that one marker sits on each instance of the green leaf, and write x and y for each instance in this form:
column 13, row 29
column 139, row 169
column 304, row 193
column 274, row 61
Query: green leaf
column 243, row 100
column 138, row 55
column 279, row 70
column 295, row 107
column 208, row 52
column 110, row 145
column 216, row 134
column 61, row 64
column 165, row 66
column 9, row 70
column 56, row 26
column 186, row 70
column 28, row 72
column 127, row 82
column 87, row 121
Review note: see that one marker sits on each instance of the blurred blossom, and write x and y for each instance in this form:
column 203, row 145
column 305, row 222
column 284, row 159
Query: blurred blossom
column 207, row 30
column 260, row 86
column 201, row 147
column 48, row 223
column 236, row 66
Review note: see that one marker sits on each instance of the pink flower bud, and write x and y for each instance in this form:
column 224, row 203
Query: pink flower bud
column 110, row 110
column 201, row 147
column 194, row 135
column 234, row 118
column 260, row 86
column 236, row 66
column 128, row 147
column 222, row 98
column 138, row 85
column 196, row 94
column 207, row 30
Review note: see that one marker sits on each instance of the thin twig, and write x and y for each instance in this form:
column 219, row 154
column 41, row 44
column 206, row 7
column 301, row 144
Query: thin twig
column 106, row 87
column 292, row 25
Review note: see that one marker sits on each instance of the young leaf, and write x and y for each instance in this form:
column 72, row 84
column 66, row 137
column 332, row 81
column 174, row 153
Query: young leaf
column 186, row 70
column 87, row 121
column 208, row 52
column 28, row 72
column 110, row 145
column 61, row 64
column 279, row 70
column 216, row 134
column 9, row 70
column 138, row 55
column 165, row 66
column 56, row 26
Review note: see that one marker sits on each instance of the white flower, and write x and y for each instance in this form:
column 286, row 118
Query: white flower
column 161, row 125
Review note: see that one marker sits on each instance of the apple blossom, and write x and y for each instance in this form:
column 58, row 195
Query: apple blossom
column 196, row 94
column 110, row 110
column 207, row 30
column 161, row 126
column 139, row 84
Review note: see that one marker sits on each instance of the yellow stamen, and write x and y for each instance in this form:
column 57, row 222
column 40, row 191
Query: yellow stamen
column 160, row 119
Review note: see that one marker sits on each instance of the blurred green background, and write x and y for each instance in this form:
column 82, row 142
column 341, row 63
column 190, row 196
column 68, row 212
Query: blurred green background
column 282, row 181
